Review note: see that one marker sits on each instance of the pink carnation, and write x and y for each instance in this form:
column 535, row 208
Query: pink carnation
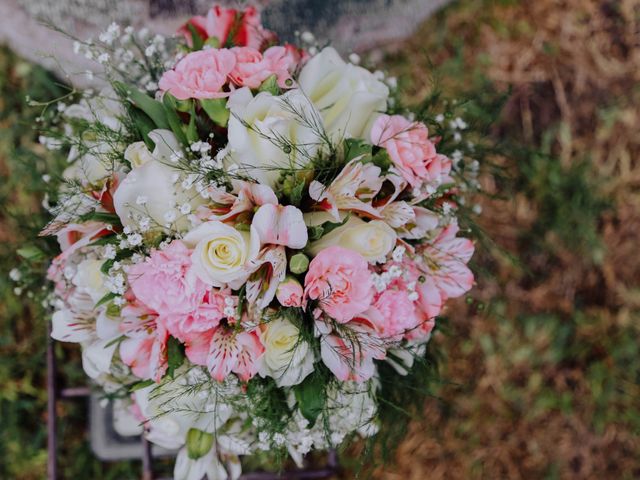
column 165, row 281
column 252, row 67
column 200, row 75
column 244, row 27
column 340, row 280
column 206, row 315
column 410, row 149
column 398, row 313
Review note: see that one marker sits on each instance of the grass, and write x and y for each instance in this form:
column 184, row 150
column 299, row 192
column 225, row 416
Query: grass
column 542, row 364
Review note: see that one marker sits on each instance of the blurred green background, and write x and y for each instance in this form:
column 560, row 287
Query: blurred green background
column 541, row 367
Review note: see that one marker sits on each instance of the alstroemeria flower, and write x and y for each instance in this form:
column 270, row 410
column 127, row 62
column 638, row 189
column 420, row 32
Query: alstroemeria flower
column 281, row 225
column 445, row 262
column 245, row 196
column 229, row 26
column 350, row 356
column 230, row 351
column 353, row 189
column 145, row 348
column 269, row 268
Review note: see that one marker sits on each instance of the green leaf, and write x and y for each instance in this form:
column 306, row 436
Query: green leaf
column 293, row 188
column 212, row 42
column 199, row 443
column 310, row 395
column 107, row 298
column 141, row 385
column 176, row 124
column 354, row 148
column 382, row 160
column 115, row 340
column 154, row 109
column 270, row 85
column 216, row 109
column 105, row 217
column 106, row 266
column 197, row 40
column 143, row 124
column 242, row 298
column 175, row 355
column 192, row 130
column 318, row 231
column 31, row 253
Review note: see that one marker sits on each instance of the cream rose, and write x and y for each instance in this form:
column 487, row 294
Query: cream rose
column 349, row 97
column 222, row 254
column 260, row 127
column 286, row 358
column 373, row 240
column 138, row 154
column 151, row 196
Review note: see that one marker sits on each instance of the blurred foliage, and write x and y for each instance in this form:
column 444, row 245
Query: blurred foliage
column 543, row 362
column 23, row 327
column 542, row 367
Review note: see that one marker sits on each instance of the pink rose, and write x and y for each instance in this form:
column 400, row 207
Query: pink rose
column 398, row 313
column 220, row 22
column 165, row 281
column 340, row 280
column 252, row 67
column 289, row 293
column 412, row 153
column 199, row 74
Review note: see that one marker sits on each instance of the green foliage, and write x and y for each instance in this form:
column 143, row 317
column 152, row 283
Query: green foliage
column 23, row 324
column 216, row 109
column 310, row 394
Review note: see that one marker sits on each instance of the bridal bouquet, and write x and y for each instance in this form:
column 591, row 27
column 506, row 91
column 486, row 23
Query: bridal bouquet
column 255, row 239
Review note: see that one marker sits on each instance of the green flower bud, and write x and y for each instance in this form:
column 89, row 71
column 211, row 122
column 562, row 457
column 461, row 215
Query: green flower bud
column 299, row 263
column 199, row 443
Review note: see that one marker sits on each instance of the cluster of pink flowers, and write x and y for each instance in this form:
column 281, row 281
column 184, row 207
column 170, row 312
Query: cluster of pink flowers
column 284, row 264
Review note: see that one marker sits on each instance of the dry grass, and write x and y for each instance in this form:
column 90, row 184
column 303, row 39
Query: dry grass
column 544, row 380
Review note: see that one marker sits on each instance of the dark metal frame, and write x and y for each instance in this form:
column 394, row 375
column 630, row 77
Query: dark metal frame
column 54, row 395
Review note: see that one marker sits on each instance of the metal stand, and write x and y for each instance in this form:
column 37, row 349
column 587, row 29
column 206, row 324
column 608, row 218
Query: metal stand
column 332, row 468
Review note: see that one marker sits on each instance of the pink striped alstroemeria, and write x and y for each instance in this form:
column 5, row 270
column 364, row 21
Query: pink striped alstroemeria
column 353, row 189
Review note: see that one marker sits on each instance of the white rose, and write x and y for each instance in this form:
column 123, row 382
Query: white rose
column 286, row 358
column 152, row 191
column 137, row 154
column 373, row 240
column 261, row 126
column 90, row 279
column 349, row 97
column 222, row 254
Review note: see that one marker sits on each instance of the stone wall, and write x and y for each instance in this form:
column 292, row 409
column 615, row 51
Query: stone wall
column 351, row 25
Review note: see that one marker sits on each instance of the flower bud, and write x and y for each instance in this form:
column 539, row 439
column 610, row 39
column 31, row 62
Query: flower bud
column 299, row 263
column 198, row 443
